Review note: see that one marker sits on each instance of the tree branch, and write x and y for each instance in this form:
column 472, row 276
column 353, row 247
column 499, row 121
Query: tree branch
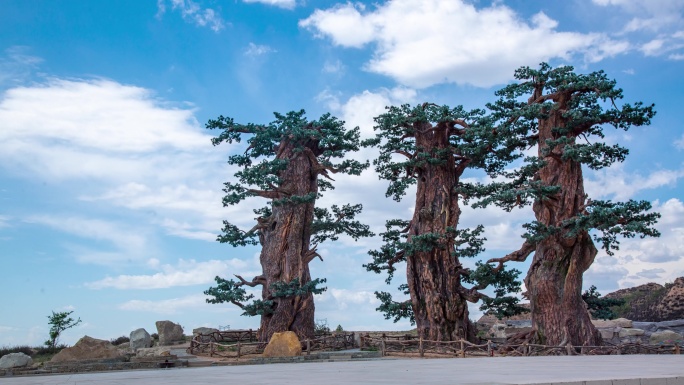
column 258, row 280
column 517, row 256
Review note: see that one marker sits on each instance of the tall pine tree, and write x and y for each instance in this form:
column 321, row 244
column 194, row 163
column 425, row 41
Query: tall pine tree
column 289, row 162
column 431, row 146
column 564, row 115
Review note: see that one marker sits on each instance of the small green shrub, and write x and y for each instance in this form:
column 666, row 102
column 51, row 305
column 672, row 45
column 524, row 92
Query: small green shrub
column 155, row 336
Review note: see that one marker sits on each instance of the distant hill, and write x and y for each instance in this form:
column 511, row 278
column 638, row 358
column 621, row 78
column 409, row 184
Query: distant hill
column 651, row 302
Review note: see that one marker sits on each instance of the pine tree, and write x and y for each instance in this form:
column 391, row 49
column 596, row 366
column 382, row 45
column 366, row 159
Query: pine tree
column 288, row 162
column 431, row 146
column 564, row 115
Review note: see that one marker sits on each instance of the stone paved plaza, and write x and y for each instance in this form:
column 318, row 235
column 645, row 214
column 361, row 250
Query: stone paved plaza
column 590, row 370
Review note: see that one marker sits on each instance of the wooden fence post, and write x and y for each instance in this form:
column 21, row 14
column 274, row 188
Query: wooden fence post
column 238, row 352
column 462, row 348
column 420, row 347
column 677, row 349
column 211, row 349
column 525, row 349
column 382, row 346
column 490, row 351
column 308, row 347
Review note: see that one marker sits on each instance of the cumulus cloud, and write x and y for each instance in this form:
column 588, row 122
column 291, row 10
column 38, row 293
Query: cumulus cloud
column 16, row 65
column 185, row 273
column 616, row 183
column 193, row 13
column 420, row 43
column 123, row 145
column 286, row 4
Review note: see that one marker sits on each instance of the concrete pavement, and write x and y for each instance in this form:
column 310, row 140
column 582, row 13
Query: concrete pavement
column 584, row 370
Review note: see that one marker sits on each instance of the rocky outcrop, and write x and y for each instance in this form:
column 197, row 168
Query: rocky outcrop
column 88, row 348
column 15, row 360
column 651, row 302
column 169, row 332
column 140, row 338
column 284, row 344
column 622, row 331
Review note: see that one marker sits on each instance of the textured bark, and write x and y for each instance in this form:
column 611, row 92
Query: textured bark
column 285, row 242
column 441, row 313
column 554, row 280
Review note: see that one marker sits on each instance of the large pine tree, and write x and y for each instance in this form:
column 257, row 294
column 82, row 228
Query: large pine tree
column 289, row 162
column 431, row 146
column 563, row 114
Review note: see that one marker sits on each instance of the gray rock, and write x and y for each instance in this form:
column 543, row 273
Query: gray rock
column 169, row 332
column 645, row 326
column 15, row 360
column 631, row 332
column 606, row 334
column 140, row 338
column 678, row 323
column 666, row 337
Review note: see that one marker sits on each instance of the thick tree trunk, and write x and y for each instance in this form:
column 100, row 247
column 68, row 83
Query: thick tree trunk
column 554, row 281
column 440, row 312
column 285, row 242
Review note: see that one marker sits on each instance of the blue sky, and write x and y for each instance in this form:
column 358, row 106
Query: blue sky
column 110, row 189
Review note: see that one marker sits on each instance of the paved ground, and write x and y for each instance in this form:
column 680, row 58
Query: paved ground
column 590, row 370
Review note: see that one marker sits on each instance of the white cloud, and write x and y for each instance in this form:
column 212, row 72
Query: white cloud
column 258, row 50
column 193, row 13
column 616, row 183
column 185, row 273
column 420, row 43
column 287, row 4
column 4, row 219
column 640, row 261
column 128, row 242
column 17, row 65
column 167, row 306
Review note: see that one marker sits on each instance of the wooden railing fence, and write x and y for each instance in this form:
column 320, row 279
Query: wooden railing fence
column 237, row 343
column 389, row 345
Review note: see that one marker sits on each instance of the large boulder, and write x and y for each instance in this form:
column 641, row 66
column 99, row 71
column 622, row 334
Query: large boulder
column 15, row 360
column 284, row 344
column 140, row 338
column 88, row 348
column 666, row 337
column 169, row 332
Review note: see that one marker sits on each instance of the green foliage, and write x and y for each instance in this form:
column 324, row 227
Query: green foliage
column 59, row 322
column 503, row 282
column 233, row 292
column 339, row 328
column 330, row 224
column 395, row 310
column 600, row 308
